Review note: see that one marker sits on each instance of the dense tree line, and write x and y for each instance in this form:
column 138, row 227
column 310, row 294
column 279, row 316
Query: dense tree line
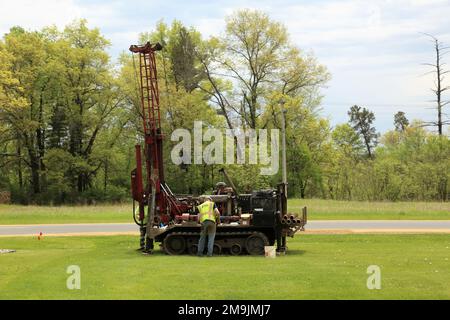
column 69, row 117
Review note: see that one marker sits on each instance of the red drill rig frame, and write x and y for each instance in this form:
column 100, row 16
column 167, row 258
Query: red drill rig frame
column 155, row 193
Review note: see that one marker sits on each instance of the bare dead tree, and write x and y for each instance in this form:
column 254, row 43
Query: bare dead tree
column 440, row 88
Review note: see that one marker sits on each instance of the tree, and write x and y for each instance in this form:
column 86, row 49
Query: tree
column 348, row 141
column 61, row 96
column 185, row 65
column 30, row 55
column 421, row 163
column 361, row 120
column 12, row 105
column 400, row 121
column 254, row 46
column 348, row 151
column 439, row 89
column 92, row 96
column 255, row 54
column 301, row 75
column 217, row 88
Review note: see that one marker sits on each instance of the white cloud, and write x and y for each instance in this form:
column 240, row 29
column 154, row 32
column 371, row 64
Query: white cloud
column 37, row 14
column 210, row 26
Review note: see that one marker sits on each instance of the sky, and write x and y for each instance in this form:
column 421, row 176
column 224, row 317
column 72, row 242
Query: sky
column 374, row 50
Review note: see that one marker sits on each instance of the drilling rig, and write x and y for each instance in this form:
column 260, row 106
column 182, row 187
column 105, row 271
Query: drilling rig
column 248, row 222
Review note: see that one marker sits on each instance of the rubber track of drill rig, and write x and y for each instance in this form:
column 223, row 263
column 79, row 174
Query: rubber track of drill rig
column 244, row 235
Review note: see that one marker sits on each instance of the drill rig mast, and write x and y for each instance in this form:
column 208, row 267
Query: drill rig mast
column 155, row 194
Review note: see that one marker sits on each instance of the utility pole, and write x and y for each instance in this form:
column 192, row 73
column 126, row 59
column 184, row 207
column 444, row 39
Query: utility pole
column 282, row 238
column 283, row 141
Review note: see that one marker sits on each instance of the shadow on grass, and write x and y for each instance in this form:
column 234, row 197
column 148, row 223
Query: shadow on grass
column 160, row 253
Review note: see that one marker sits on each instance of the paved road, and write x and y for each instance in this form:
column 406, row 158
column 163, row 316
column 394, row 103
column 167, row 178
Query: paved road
column 312, row 226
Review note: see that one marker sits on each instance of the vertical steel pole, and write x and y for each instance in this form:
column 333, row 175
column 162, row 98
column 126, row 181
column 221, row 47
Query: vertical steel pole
column 283, row 133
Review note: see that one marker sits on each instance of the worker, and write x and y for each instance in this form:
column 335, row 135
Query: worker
column 208, row 216
column 220, row 187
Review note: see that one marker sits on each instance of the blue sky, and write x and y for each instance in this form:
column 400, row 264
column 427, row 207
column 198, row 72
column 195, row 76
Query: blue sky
column 373, row 49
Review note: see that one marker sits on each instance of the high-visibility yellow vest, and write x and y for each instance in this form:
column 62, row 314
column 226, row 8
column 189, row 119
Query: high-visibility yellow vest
column 206, row 211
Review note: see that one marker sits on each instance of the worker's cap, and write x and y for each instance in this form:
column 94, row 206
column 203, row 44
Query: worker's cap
column 221, row 185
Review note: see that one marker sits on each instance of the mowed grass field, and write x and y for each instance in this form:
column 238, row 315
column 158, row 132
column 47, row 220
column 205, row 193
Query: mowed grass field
column 316, row 267
column 317, row 209
column 363, row 210
column 16, row 214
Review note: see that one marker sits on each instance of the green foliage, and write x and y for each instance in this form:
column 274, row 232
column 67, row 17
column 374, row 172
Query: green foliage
column 59, row 163
column 64, row 105
column 409, row 165
column 362, row 121
column 400, row 121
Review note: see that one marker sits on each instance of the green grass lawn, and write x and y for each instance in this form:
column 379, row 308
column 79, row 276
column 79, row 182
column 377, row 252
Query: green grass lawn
column 362, row 210
column 318, row 210
column 15, row 214
column 317, row 267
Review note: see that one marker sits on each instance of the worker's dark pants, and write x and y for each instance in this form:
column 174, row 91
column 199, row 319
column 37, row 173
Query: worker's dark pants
column 208, row 230
column 146, row 244
column 281, row 240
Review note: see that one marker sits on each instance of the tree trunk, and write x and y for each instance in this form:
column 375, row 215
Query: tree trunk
column 19, row 165
column 81, row 183
column 34, row 164
column 439, row 89
column 302, row 189
column 105, row 182
column 35, row 178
